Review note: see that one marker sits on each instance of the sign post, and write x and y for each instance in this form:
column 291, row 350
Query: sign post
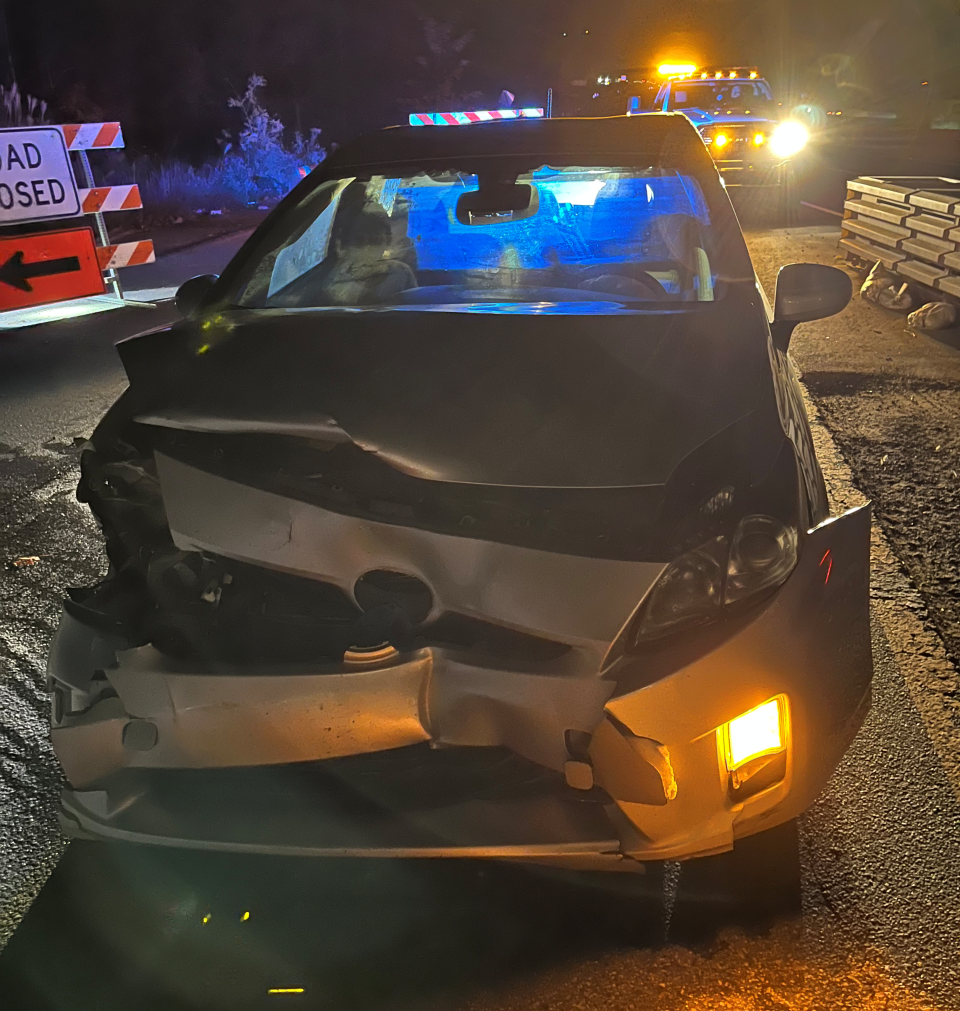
column 102, row 234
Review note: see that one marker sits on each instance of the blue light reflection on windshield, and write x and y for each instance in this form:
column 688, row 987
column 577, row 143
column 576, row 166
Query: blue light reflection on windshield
column 584, row 218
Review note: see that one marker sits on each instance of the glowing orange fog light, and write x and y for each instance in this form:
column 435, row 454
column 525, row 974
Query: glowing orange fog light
column 758, row 139
column 721, row 140
column 754, row 733
column 750, row 741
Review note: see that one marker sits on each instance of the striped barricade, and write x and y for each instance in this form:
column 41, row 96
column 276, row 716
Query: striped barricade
column 126, row 254
column 103, row 257
column 99, row 200
column 110, row 198
column 91, row 136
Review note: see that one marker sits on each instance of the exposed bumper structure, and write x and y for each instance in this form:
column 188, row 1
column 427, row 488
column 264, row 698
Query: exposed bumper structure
column 613, row 764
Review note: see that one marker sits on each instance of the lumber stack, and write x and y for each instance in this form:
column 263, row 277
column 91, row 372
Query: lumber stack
column 911, row 224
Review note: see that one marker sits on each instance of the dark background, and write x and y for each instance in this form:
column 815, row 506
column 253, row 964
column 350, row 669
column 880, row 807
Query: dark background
column 166, row 69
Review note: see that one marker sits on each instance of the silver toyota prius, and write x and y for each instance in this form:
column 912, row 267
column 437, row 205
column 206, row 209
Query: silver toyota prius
column 472, row 511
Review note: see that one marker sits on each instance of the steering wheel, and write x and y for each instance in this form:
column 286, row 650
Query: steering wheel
column 625, row 270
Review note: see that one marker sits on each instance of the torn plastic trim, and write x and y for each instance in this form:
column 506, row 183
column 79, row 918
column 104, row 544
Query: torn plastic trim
column 630, row 768
column 78, row 653
column 321, row 428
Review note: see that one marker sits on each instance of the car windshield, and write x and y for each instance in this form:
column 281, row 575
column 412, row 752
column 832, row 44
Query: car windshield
column 738, row 96
column 592, row 239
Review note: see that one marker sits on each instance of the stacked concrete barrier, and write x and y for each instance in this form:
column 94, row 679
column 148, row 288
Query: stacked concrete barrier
column 911, row 224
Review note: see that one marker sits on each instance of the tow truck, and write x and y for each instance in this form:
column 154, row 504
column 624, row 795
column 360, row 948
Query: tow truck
column 734, row 111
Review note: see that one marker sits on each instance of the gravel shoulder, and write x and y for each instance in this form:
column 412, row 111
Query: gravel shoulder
column 890, row 397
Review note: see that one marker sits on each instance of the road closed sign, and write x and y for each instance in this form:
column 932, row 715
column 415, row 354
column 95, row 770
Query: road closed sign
column 48, row 267
column 36, row 179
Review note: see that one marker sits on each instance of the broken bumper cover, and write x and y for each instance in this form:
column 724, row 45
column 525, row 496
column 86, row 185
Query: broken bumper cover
column 260, row 761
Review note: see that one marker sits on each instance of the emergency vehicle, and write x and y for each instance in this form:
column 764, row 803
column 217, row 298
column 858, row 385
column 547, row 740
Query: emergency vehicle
column 735, row 113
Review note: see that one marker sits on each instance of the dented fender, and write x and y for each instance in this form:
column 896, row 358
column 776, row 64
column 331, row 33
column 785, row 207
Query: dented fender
column 810, row 642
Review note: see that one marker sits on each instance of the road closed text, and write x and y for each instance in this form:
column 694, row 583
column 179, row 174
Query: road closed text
column 36, row 179
column 28, row 193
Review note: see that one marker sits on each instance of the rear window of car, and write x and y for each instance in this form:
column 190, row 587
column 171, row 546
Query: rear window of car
column 594, row 238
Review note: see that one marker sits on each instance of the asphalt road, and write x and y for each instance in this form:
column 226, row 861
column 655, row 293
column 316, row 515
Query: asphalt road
column 874, row 921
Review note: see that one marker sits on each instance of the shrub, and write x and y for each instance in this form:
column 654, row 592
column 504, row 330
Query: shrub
column 257, row 168
column 264, row 167
column 20, row 110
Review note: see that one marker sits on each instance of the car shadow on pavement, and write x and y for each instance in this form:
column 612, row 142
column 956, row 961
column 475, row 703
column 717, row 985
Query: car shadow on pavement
column 949, row 336
column 138, row 927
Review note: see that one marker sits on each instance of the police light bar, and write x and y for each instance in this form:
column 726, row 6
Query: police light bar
column 731, row 73
column 464, row 118
column 676, row 69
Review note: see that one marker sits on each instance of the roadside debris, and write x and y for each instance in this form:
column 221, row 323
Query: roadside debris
column 886, row 289
column 896, row 298
column 933, row 316
column 878, row 279
column 25, row 560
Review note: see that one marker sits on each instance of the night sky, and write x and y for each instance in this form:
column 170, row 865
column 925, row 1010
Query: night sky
column 166, row 69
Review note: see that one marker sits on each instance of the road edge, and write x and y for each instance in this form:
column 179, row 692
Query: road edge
column 931, row 678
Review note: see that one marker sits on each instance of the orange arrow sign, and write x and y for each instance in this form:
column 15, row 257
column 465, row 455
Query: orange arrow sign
column 49, row 267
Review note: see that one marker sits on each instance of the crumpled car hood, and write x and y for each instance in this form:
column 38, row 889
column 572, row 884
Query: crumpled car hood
column 548, row 401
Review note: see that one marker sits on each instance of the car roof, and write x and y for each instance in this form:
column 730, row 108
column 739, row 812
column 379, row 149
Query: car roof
column 687, row 81
column 657, row 138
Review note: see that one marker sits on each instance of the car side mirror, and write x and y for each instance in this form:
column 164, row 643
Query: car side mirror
column 807, row 291
column 191, row 293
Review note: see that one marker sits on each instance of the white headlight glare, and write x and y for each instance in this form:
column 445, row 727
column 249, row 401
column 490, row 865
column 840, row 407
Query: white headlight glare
column 788, row 138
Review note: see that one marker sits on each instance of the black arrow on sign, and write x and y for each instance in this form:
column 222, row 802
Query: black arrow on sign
column 16, row 273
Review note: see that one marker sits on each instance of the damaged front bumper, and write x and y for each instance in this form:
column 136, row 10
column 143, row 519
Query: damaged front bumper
column 584, row 759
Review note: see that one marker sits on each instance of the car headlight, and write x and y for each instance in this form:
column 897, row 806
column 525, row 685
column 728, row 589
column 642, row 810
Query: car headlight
column 720, row 140
column 788, row 138
column 695, row 587
column 690, row 588
column 763, row 554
